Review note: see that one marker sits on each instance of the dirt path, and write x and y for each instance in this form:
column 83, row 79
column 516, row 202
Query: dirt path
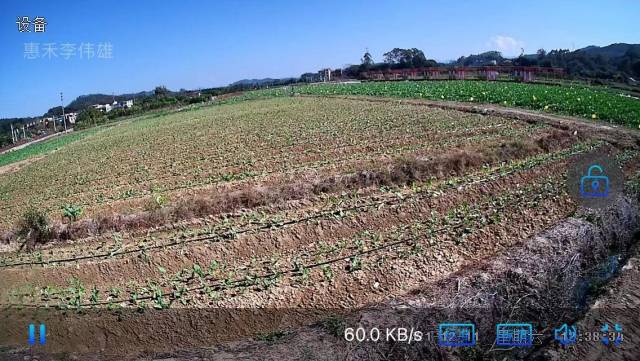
column 14, row 167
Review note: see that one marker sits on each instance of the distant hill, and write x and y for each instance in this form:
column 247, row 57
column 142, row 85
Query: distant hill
column 619, row 62
column 252, row 81
column 617, row 50
column 85, row 101
column 259, row 82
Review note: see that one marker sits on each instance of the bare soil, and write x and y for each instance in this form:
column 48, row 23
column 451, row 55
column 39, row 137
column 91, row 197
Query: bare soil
column 434, row 236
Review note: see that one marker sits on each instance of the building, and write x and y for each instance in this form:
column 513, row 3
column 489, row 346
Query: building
column 115, row 105
column 103, row 107
column 122, row 105
column 518, row 73
column 71, row 118
column 325, row 74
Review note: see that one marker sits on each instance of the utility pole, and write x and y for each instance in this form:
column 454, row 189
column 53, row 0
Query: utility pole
column 64, row 121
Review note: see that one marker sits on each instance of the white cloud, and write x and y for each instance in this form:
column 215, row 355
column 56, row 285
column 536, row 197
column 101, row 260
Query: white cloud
column 506, row 44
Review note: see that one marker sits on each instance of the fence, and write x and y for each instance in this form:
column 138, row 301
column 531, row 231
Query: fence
column 502, row 72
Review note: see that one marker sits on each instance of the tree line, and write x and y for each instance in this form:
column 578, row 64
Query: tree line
column 616, row 62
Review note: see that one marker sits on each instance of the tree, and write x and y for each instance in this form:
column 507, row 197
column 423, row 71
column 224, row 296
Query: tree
column 308, row 77
column 90, row 116
column 636, row 68
column 366, row 62
column 161, row 91
column 367, row 59
column 352, row 71
column 541, row 53
column 34, row 228
column 406, row 58
column 5, row 138
column 524, row 61
column 418, row 59
column 394, row 56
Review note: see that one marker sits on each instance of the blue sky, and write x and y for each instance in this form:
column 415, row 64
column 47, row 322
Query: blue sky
column 191, row 44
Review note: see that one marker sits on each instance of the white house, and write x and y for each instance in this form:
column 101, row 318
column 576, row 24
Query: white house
column 125, row 104
column 71, row 117
column 115, row 105
column 103, row 107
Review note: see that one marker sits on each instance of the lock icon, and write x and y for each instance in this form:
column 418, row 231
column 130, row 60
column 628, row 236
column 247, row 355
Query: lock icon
column 594, row 186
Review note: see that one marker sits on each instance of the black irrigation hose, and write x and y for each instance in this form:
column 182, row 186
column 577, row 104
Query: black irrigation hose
column 231, row 235
column 243, row 282
column 218, row 284
column 228, row 235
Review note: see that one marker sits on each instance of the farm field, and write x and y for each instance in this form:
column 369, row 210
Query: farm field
column 40, row 148
column 584, row 102
column 307, row 202
column 258, row 142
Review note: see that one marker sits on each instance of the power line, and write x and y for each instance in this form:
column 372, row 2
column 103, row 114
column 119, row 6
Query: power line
column 64, row 121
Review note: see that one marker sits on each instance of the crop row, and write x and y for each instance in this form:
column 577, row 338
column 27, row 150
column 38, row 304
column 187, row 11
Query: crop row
column 284, row 163
column 338, row 209
column 110, row 193
column 458, row 223
column 215, row 139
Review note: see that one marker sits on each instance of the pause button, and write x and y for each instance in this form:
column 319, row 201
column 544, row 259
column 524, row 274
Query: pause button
column 42, row 334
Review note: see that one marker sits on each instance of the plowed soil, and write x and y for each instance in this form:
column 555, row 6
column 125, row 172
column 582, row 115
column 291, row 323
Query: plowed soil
column 241, row 225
